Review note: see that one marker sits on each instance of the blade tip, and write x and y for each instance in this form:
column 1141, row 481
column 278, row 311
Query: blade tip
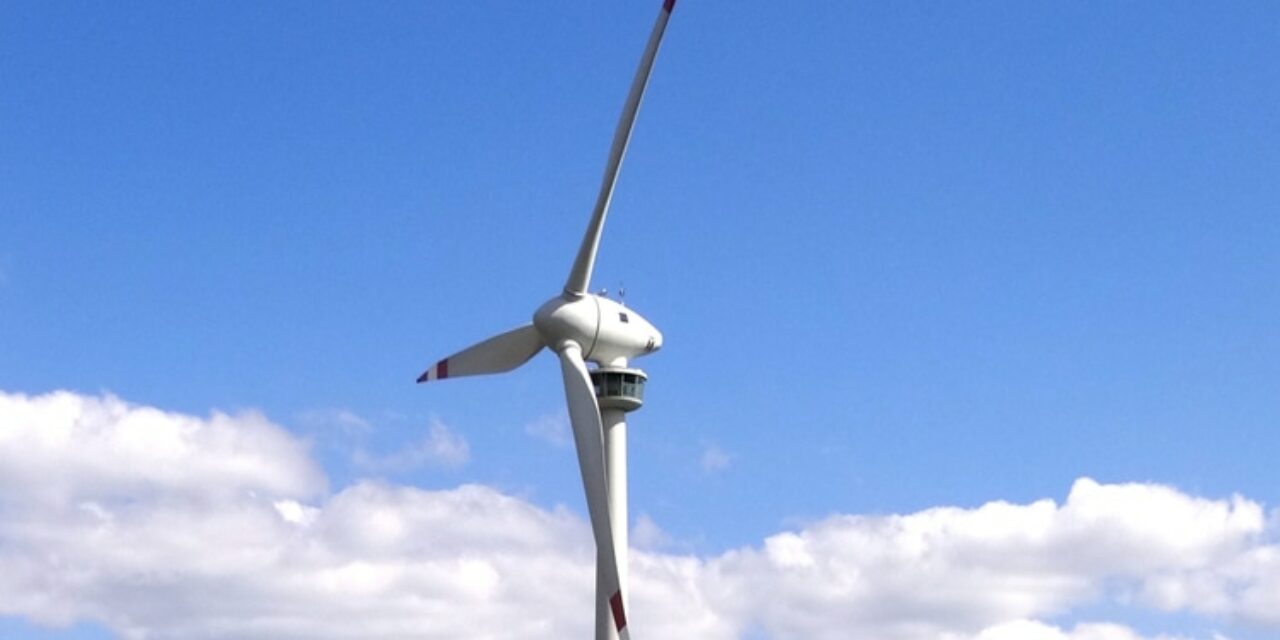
column 668, row 5
column 438, row 371
column 619, row 614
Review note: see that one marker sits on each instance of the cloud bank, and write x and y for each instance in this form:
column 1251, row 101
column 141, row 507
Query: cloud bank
column 161, row 525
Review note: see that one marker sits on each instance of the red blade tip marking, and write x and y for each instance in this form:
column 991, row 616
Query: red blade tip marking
column 615, row 603
column 668, row 5
column 442, row 369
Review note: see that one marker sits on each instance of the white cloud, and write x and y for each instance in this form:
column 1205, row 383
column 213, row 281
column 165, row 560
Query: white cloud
column 440, row 447
column 344, row 422
column 553, row 428
column 1034, row 630
column 714, row 459
column 646, row 534
column 948, row 569
column 61, row 446
column 160, row 525
column 443, row 446
column 295, row 513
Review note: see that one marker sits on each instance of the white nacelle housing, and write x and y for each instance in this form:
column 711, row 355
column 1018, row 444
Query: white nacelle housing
column 607, row 332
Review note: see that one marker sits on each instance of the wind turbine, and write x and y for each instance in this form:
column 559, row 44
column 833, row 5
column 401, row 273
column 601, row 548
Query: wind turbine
column 581, row 327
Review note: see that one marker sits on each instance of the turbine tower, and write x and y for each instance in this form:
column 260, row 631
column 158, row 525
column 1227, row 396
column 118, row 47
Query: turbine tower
column 581, row 327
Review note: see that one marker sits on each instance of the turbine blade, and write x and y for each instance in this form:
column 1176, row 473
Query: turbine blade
column 500, row 353
column 588, row 436
column 580, row 274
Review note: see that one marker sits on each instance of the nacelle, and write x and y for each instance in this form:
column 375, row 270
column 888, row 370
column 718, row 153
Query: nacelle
column 609, row 333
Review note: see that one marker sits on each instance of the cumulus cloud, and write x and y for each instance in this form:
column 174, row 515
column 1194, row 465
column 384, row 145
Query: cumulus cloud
column 1034, row 630
column 646, row 534
column 62, row 446
column 161, row 525
column 441, row 446
column 929, row 573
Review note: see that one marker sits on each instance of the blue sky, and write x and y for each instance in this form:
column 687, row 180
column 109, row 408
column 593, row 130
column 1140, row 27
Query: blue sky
column 903, row 256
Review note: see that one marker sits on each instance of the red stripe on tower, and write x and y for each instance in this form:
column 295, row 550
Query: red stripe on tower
column 442, row 369
column 615, row 603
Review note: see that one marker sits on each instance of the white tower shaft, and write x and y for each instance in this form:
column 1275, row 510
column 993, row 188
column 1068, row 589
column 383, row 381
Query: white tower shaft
column 615, row 452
